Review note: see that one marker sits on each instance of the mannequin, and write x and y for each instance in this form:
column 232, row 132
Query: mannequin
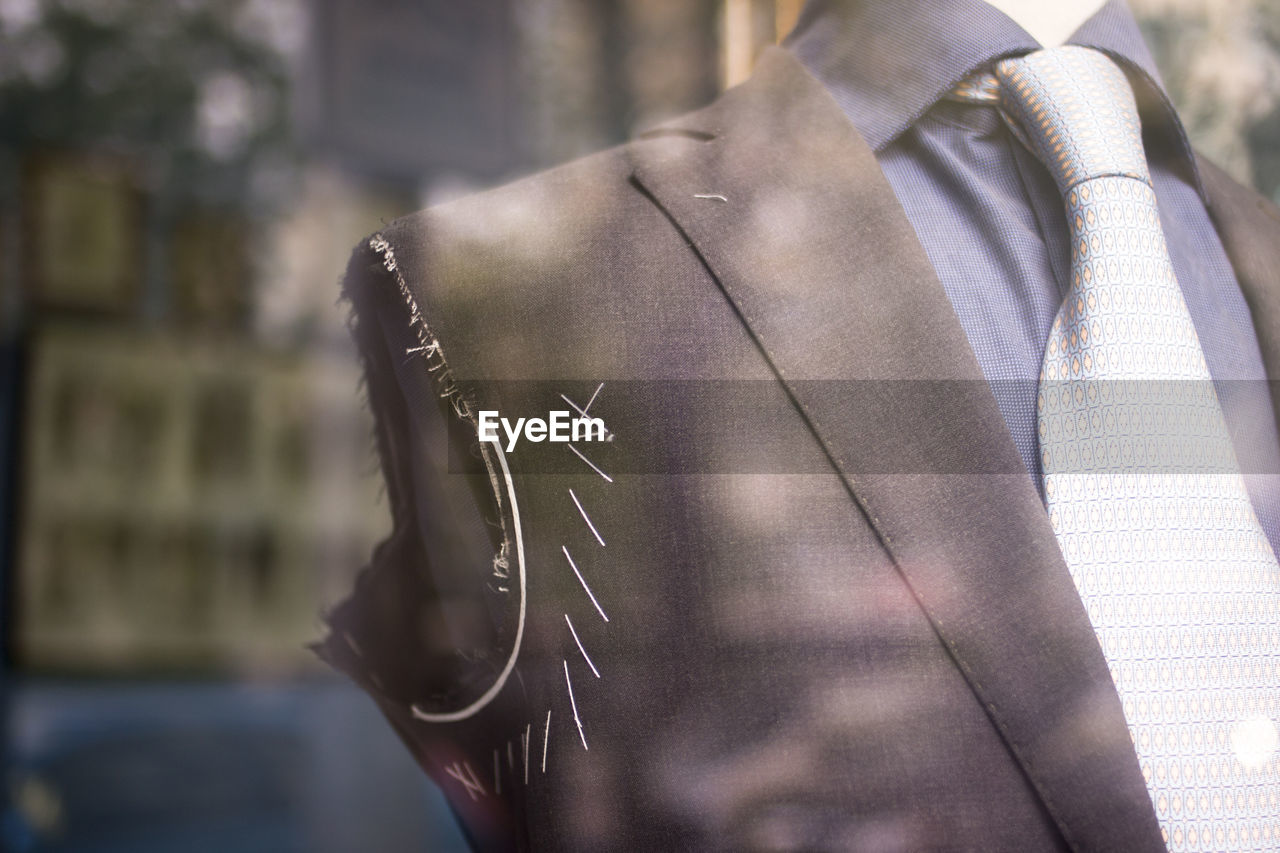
column 1051, row 24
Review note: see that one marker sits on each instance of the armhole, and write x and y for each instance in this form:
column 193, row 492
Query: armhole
column 426, row 623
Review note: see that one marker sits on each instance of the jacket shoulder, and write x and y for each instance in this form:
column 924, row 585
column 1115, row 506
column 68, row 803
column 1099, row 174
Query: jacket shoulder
column 525, row 261
column 562, row 213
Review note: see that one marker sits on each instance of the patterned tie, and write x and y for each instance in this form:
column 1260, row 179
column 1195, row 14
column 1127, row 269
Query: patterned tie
column 1142, row 485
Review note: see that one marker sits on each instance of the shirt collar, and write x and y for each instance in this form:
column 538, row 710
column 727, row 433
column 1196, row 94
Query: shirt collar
column 886, row 62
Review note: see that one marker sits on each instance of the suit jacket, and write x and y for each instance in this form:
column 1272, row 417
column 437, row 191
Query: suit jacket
column 834, row 617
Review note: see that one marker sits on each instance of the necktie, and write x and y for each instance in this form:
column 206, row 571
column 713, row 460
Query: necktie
column 1141, row 483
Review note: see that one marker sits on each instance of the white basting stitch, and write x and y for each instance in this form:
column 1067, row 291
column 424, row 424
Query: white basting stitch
column 517, row 534
column 582, row 411
column 590, row 594
column 574, row 704
column 465, row 775
column 585, row 518
column 607, row 478
column 585, row 656
column 546, row 739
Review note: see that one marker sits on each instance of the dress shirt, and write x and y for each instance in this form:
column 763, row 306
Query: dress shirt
column 992, row 221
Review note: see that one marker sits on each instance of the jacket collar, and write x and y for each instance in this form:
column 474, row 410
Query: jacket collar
column 784, row 202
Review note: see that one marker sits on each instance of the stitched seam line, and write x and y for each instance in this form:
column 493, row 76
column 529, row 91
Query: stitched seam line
column 430, row 351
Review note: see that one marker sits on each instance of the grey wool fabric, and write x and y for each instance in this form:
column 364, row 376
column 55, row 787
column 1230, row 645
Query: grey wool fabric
column 808, row 597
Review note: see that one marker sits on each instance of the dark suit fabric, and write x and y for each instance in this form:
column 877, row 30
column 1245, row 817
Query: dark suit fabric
column 858, row 634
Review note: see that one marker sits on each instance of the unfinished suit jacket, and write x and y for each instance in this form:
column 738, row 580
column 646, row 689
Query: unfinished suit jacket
column 808, row 597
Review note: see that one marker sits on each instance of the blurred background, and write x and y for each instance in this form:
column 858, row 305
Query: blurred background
column 186, row 472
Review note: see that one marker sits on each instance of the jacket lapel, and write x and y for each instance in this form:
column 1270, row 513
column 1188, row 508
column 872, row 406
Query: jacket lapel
column 1249, row 226
column 787, row 207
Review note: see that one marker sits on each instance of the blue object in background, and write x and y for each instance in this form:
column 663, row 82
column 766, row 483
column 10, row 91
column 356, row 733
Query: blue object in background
column 145, row 768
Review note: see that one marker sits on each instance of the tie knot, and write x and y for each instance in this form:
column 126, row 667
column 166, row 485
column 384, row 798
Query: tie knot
column 1076, row 111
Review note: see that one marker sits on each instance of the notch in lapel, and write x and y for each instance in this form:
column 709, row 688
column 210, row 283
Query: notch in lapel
column 810, row 244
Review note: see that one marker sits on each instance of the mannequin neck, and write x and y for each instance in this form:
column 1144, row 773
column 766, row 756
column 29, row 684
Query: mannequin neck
column 1050, row 23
